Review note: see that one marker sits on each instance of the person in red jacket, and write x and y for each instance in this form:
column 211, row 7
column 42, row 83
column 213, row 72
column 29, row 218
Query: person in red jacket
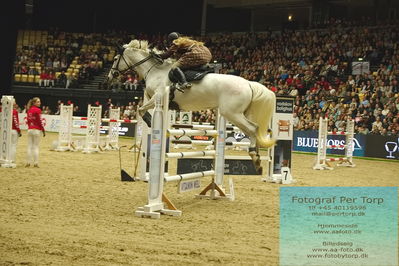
column 35, row 131
column 44, row 79
column 15, row 133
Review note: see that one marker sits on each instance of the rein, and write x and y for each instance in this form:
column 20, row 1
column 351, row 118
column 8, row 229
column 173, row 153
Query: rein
column 131, row 67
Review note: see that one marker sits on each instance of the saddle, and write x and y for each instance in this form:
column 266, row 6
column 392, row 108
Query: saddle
column 194, row 74
column 191, row 75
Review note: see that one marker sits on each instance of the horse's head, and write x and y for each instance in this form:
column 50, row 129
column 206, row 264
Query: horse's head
column 129, row 57
column 118, row 66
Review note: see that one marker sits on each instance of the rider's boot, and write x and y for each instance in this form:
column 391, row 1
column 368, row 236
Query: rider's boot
column 183, row 84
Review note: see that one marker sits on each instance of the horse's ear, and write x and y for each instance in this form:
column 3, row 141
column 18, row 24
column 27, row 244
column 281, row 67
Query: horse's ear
column 120, row 49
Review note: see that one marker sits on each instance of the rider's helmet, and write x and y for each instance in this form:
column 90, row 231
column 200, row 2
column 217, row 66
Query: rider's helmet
column 173, row 36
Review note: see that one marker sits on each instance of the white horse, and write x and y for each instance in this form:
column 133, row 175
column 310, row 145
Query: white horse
column 246, row 104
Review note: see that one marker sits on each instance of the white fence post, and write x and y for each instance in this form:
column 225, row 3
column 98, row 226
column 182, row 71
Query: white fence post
column 7, row 103
column 65, row 129
column 220, row 149
column 113, row 129
column 156, row 198
column 93, row 129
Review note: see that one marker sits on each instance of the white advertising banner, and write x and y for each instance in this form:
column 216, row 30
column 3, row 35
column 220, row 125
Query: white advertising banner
column 283, row 128
column 51, row 123
column 283, row 120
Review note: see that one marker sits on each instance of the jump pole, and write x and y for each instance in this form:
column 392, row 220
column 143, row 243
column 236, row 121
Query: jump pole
column 322, row 162
column 7, row 103
column 65, row 129
column 158, row 203
column 112, row 142
column 156, row 198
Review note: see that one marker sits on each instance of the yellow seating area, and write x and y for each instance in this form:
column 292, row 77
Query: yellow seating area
column 26, row 78
column 31, row 37
column 27, row 39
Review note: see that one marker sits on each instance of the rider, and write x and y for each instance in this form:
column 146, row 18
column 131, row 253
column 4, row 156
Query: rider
column 190, row 54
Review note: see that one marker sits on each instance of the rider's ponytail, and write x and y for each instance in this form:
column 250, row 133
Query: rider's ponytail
column 186, row 41
column 31, row 102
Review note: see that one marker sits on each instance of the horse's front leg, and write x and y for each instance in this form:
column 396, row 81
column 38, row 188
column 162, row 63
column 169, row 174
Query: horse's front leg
column 143, row 110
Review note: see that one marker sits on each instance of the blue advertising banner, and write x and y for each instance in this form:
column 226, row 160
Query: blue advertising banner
column 307, row 141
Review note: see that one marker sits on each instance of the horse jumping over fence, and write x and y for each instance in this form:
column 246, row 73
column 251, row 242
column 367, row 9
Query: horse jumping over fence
column 246, row 104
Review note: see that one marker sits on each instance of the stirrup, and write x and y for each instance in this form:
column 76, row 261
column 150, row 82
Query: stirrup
column 186, row 85
column 179, row 87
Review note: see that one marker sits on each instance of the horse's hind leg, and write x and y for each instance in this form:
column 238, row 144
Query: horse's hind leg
column 248, row 128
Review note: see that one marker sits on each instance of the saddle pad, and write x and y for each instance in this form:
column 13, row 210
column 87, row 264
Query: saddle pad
column 193, row 74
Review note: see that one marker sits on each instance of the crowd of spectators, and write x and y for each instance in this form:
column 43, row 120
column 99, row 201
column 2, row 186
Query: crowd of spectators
column 61, row 59
column 70, row 60
column 314, row 66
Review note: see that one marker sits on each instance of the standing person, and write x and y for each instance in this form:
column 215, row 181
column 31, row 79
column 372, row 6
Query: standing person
column 35, row 131
column 62, row 80
column 15, row 133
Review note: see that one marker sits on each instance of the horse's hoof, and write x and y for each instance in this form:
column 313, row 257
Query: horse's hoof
column 259, row 170
column 186, row 85
column 147, row 118
column 252, row 151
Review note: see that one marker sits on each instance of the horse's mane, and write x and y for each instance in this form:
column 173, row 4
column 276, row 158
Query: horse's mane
column 144, row 46
column 138, row 44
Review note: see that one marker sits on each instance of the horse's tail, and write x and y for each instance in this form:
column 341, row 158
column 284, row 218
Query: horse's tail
column 261, row 111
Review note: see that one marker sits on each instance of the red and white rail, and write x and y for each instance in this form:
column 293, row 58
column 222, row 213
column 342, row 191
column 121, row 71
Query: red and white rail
column 183, row 142
column 118, row 120
column 77, row 126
